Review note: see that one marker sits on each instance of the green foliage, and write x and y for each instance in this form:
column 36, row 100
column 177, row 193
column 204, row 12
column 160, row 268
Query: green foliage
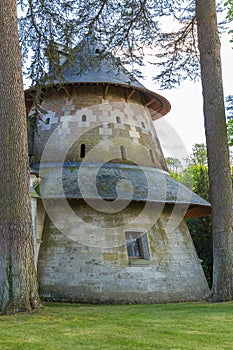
column 229, row 111
column 199, row 154
column 200, row 228
column 195, row 177
column 229, row 5
column 230, row 132
column 201, row 181
column 174, row 165
column 183, row 326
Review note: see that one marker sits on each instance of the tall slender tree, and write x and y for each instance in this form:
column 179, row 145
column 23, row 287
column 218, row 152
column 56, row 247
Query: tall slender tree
column 18, row 283
column 217, row 149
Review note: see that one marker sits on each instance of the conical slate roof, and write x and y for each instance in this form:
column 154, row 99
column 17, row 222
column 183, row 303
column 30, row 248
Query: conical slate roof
column 89, row 65
column 100, row 181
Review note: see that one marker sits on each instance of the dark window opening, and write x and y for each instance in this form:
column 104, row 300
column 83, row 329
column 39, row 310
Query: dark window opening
column 47, row 121
column 123, row 152
column 118, row 120
column 82, row 150
column 97, row 51
column 84, row 118
column 134, row 245
column 143, row 125
column 137, row 245
column 152, row 156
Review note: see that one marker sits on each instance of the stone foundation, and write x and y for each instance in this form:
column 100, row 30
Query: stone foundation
column 92, row 266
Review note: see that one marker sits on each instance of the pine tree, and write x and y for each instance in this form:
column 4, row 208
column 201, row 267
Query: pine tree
column 217, row 147
column 18, row 283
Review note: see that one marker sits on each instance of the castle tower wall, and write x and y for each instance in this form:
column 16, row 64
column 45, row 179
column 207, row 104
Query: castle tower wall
column 112, row 217
column 93, row 267
column 87, row 118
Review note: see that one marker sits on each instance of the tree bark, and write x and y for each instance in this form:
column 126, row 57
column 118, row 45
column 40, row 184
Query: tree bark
column 18, row 282
column 217, row 148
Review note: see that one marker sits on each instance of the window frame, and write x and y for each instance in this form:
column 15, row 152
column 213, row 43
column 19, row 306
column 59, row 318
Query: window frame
column 131, row 236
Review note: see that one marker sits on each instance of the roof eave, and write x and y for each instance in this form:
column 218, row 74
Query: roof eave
column 157, row 104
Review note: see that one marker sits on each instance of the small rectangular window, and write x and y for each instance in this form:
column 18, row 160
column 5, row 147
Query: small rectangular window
column 84, row 118
column 137, row 245
column 82, row 150
column 123, row 152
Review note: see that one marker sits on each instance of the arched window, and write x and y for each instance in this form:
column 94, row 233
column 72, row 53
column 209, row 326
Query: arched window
column 143, row 125
column 152, row 156
column 84, row 118
column 82, row 150
column 123, row 152
column 47, row 121
column 118, row 120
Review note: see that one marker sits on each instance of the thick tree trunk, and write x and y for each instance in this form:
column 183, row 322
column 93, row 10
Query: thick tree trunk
column 217, row 148
column 18, row 282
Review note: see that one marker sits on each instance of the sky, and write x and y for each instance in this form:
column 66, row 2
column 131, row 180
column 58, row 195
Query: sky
column 186, row 115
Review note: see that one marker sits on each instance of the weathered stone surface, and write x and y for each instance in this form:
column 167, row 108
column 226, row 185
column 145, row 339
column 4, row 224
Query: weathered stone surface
column 101, row 120
column 71, row 270
column 114, row 229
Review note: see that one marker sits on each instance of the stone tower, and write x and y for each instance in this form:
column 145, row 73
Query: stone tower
column 108, row 219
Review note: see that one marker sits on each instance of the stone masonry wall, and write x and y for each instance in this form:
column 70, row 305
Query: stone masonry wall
column 87, row 261
column 87, row 118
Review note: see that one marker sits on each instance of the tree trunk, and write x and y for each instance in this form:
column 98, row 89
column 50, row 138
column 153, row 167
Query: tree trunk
column 217, row 148
column 18, row 282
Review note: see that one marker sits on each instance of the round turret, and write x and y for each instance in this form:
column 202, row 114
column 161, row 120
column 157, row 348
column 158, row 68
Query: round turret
column 113, row 229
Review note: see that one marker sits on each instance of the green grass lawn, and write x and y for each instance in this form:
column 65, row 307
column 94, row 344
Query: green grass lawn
column 183, row 326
